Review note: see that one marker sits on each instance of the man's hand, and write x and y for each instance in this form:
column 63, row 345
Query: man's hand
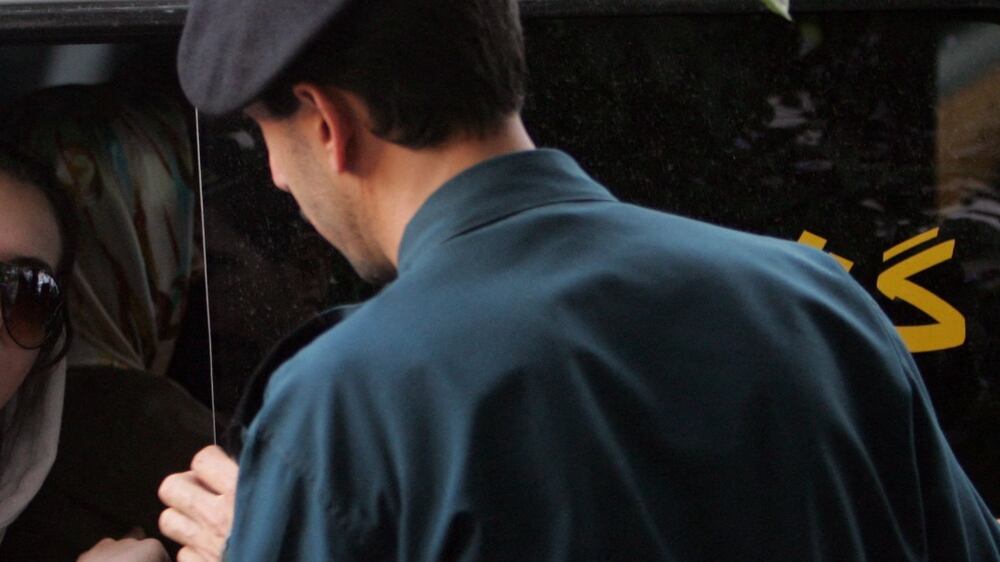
column 200, row 505
column 134, row 547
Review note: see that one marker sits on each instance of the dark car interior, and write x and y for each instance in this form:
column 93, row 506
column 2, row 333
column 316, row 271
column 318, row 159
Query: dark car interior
column 871, row 131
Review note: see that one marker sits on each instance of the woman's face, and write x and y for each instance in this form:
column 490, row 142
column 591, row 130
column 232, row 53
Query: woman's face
column 28, row 229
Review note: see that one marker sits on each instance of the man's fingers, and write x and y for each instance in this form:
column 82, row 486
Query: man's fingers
column 179, row 527
column 200, row 505
column 187, row 493
column 214, row 467
column 188, row 554
column 186, row 531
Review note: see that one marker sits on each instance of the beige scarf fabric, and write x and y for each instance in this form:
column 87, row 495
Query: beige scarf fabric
column 127, row 162
column 29, row 447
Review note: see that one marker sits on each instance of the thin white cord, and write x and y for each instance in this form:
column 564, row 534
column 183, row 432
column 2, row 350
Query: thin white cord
column 204, row 256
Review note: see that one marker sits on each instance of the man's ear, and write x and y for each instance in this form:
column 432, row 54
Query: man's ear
column 332, row 122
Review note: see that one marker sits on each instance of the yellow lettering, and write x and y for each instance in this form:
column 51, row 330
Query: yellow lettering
column 894, row 283
column 818, row 242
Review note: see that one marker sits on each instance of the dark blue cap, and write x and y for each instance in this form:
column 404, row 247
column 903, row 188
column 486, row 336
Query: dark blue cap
column 232, row 50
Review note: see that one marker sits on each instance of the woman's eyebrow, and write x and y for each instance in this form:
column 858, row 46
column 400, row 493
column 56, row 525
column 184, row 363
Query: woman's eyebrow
column 17, row 259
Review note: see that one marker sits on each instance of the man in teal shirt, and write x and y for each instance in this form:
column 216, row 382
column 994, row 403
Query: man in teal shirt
column 549, row 374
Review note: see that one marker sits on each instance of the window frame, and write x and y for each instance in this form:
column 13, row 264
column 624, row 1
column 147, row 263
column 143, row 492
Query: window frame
column 101, row 20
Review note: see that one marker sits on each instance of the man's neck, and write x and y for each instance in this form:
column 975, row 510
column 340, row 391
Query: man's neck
column 407, row 178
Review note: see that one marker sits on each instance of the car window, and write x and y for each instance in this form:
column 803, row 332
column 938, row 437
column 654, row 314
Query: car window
column 871, row 136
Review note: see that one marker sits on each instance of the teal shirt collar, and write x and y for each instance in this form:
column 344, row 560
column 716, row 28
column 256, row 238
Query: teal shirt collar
column 492, row 190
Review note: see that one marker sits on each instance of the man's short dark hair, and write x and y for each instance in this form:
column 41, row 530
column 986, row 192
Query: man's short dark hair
column 425, row 68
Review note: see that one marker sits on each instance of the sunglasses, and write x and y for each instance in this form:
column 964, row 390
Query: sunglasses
column 30, row 304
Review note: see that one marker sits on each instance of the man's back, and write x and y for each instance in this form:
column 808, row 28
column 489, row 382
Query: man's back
column 559, row 376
